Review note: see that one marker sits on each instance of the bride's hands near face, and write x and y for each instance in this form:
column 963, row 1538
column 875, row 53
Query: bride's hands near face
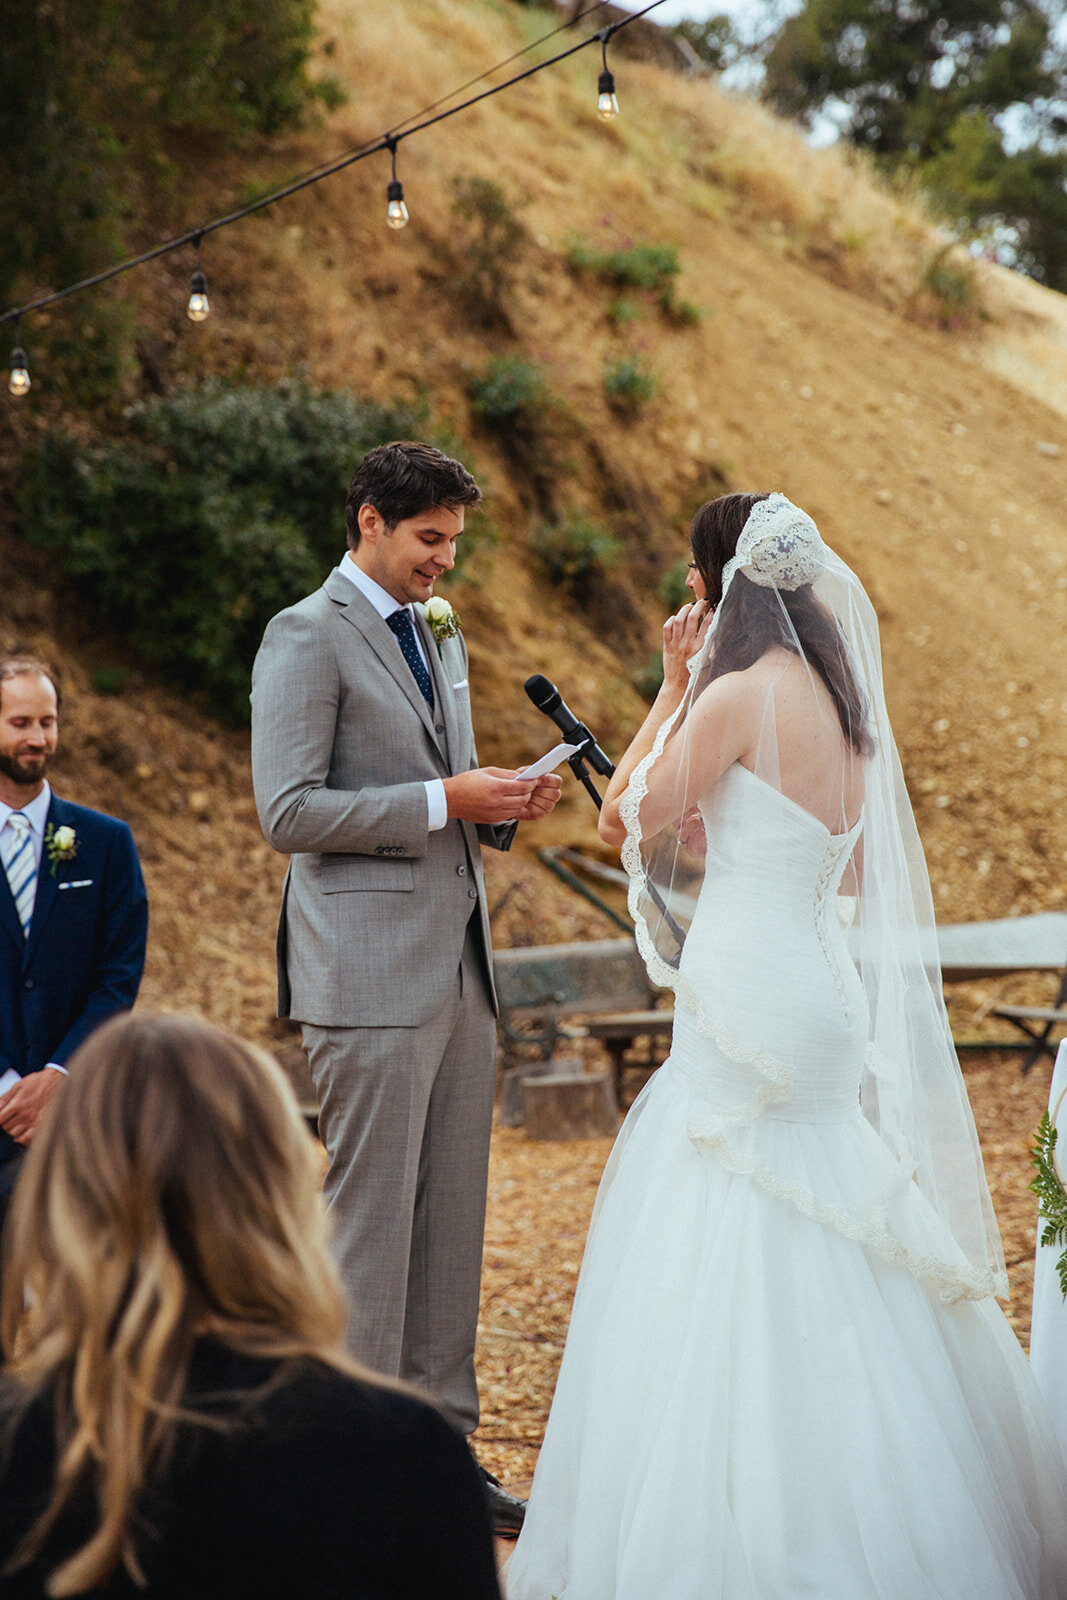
column 682, row 637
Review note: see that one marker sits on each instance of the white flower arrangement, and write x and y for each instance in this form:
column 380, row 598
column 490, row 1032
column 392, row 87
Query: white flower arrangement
column 61, row 844
column 444, row 621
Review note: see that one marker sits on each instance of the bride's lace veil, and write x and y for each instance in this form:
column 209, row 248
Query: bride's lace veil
column 788, row 684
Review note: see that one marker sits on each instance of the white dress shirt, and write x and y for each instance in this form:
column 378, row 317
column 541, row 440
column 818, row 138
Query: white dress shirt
column 384, row 603
column 36, row 814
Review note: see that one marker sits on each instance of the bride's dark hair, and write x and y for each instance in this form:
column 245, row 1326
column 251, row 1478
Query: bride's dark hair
column 754, row 620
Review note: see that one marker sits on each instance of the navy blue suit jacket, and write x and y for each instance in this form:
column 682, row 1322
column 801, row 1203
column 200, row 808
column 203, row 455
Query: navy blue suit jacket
column 83, row 957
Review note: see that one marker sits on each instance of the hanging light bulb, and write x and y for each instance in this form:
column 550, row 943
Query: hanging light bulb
column 397, row 212
column 607, row 105
column 199, row 306
column 19, row 382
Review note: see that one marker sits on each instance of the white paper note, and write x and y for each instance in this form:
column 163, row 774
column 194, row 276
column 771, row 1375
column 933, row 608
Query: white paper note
column 548, row 762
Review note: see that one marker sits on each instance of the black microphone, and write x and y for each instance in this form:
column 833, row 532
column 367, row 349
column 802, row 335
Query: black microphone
column 547, row 698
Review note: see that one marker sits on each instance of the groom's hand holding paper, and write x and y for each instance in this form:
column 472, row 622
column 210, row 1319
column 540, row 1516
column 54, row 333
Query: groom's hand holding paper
column 548, row 786
column 499, row 794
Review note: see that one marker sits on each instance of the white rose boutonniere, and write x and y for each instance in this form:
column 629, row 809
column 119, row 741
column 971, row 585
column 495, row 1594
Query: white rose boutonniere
column 61, row 844
column 444, row 622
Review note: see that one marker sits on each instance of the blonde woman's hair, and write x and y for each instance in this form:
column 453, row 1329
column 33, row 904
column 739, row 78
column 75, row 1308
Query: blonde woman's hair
column 172, row 1191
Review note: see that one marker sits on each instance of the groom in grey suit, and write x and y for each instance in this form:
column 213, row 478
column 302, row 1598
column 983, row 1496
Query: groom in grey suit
column 365, row 771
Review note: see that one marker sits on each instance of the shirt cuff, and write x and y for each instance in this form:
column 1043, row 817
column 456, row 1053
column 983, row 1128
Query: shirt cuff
column 436, row 804
column 55, row 1066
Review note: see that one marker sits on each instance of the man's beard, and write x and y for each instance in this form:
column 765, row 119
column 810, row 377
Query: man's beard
column 18, row 769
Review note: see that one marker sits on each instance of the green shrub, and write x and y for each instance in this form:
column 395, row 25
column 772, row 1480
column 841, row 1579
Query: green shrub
column 635, row 266
column 217, row 508
column 510, row 390
column 110, row 680
column 672, row 586
column 642, row 266
column 486, row 242
column 950, row 278
column 580, row 255
column 629, row 384
column 684, row 312
column 622, row 311
column 576, row 551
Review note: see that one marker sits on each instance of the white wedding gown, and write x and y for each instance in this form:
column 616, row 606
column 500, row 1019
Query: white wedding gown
column 759, row 1399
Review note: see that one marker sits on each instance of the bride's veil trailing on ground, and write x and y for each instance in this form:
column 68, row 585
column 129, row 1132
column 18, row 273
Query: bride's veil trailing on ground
column 821, row 739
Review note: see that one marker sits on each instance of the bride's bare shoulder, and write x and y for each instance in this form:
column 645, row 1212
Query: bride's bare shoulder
column 746, row 682
column 738, row 700
column 734, row 695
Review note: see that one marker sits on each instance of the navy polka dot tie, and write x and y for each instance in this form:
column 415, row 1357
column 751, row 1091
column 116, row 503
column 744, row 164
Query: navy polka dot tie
column 404, row 628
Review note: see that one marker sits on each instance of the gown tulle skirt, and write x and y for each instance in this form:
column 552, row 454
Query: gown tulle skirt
column 754, row 1406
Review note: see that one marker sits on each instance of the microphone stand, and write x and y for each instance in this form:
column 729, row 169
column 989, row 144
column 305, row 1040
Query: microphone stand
column 578, row 762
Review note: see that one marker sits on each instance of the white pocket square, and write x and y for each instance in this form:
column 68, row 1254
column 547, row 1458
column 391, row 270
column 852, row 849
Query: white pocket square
column 462, row 684
column 77, row 883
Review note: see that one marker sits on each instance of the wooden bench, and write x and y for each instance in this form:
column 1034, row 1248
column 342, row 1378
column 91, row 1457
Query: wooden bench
column 602, row 982
column 1035, row 943
column 1025, row 1019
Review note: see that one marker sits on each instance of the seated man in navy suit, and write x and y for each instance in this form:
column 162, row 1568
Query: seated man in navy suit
column 73, row 914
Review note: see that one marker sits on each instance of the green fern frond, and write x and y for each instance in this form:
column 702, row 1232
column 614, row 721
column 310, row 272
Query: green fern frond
column 1051, row 1194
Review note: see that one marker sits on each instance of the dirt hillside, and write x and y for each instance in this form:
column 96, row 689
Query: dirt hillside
column 926, row 433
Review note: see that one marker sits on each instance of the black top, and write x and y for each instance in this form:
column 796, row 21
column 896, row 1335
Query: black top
column 323, row 1487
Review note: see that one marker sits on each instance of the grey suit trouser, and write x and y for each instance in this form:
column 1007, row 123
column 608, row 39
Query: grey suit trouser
column 405, row 1115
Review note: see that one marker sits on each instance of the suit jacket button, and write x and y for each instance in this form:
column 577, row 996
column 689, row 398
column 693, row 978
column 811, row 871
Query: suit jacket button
column 379, row 849
column 439, row 727
column 27, row 983
column 472, row 894
column 461, row 872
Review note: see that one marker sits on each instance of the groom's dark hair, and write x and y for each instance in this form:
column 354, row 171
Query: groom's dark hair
column 403, row 478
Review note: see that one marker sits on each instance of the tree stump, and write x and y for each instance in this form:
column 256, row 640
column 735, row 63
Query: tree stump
column 570, row 1105
column 510, row 1098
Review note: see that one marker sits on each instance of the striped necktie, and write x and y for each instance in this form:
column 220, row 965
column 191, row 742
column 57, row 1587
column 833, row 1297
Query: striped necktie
column 21, row 866
column 402, row 625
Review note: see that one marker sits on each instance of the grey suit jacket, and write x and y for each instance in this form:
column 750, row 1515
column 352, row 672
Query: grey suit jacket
column 375, row 906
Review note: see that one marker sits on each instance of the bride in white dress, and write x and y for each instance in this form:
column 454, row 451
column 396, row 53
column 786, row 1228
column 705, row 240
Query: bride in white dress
column 786, row 1376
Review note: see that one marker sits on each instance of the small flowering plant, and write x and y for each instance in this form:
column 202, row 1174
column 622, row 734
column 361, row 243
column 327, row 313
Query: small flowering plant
column 444, row 622
column 61, row 844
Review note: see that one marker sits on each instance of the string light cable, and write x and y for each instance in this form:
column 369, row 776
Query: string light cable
column 323, row 168
column 517, row 55
column 198, row 307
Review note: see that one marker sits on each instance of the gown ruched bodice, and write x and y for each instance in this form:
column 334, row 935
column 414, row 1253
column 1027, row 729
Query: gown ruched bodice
column 767, row 954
